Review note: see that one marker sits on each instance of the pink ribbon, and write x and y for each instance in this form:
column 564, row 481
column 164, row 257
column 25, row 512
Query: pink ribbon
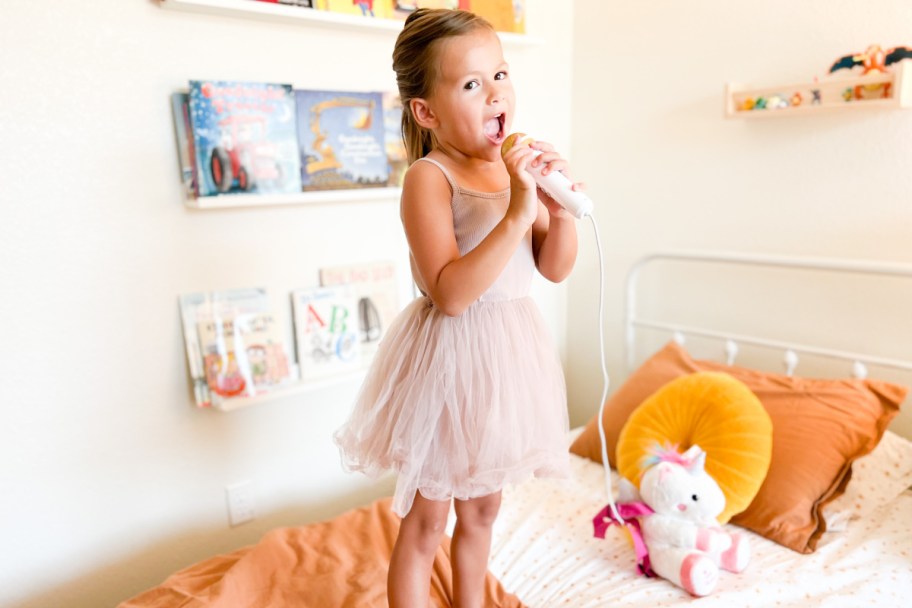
column 629, row 512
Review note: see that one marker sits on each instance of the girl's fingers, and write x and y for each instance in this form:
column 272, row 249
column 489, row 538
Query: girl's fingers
column 548, row 157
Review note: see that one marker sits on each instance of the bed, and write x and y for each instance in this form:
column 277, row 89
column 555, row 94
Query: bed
column 830, row 526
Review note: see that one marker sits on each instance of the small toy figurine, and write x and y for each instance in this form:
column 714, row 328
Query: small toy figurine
column 847, row 94
column 816, row 100
column 796, row 99
column 776, row 102
column 874, row 60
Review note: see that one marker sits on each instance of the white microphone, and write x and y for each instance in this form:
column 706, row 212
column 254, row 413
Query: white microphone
column 555, row 183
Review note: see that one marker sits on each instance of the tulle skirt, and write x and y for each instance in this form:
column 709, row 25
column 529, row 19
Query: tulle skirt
column 460, row 406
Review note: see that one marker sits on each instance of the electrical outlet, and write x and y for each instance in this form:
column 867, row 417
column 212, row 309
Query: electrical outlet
column 241, row 503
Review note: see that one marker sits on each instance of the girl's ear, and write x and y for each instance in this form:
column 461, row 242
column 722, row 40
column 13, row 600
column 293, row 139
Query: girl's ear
column 423, row 114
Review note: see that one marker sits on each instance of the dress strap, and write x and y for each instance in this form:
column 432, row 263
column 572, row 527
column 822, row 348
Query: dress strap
column 453, row 185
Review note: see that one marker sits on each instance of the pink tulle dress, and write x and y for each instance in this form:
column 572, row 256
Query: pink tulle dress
column 462, row 406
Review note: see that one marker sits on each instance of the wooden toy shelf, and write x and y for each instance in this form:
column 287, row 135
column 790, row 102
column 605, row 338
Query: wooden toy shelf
column 832, row 94
column 307, row 16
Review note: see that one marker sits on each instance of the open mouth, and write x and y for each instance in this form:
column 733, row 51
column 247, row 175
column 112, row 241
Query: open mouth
column 494, row 129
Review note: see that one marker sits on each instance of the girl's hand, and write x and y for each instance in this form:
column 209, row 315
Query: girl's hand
column 523, row 197
column 553, row 162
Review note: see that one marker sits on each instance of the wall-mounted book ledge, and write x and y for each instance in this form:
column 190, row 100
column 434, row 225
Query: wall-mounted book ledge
column 309, row 17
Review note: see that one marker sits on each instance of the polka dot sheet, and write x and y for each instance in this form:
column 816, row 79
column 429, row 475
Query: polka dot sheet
column 543, row 550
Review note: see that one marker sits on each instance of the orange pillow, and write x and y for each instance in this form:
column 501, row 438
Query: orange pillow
column 820, row 427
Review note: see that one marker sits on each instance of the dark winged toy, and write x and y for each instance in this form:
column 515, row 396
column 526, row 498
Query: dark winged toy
column 874, row 61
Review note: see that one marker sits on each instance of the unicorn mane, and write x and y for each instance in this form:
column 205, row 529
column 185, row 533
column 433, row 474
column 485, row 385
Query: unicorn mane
column 665, row 453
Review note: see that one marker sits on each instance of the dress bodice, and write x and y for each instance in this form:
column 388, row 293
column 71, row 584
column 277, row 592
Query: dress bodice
column 475, row 214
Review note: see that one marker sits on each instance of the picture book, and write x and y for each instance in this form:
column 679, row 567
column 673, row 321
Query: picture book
column 234, row 345
column 301, row 3
column 326, row 331
column 381, row 9
column 504, row 15
column 402, row 8
column 245, row 137
column 396, row 156
column 376, row 294
column 341, row 140
column 180, row 106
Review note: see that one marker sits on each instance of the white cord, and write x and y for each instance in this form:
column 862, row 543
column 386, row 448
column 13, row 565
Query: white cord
column 605, row 380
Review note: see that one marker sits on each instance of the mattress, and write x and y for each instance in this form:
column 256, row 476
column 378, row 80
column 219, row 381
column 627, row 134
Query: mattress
column 544, row 551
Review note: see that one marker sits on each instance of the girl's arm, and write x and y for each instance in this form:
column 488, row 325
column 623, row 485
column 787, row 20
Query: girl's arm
column 554, row 242
column 453, row 281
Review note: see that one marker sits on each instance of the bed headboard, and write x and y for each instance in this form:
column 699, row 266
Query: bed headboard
column 805, row 316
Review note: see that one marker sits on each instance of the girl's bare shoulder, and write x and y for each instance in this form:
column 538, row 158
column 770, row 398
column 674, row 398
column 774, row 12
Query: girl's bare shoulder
column 425, row 180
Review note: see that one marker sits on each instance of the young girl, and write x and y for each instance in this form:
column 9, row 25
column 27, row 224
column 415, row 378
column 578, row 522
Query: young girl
column 466, row 393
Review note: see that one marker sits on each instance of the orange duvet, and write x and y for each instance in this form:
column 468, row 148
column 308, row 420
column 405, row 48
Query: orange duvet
column 339, row 563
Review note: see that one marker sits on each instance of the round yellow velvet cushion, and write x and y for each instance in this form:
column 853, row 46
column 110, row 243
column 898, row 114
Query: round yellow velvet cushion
column 716, row 412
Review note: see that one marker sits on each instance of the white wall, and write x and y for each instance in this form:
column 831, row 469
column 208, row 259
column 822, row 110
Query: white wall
column 668, row 172
column 110, row 479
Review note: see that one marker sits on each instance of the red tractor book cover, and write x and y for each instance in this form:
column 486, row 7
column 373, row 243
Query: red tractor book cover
column 245, row 136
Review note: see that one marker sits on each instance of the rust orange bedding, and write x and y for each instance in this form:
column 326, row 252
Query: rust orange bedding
column 337, row 563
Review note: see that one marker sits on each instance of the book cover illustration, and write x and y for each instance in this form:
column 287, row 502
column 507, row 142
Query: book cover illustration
column 326, row 331
column 234, row 345
column 245, row 137
column 396, row 155
column 381, row 9
column 402, row 8
column 377, row 295
column 504, row 15
column 341, row 140
column 300, row 3
column 186, row 155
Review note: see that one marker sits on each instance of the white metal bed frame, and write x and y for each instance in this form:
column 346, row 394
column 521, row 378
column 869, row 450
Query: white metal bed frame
column 859, row 361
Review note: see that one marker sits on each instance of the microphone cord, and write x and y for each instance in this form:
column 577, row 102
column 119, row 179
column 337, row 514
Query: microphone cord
column 605, row 380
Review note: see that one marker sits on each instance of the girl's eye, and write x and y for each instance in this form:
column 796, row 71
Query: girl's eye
column 500, row 76
column 472, row 84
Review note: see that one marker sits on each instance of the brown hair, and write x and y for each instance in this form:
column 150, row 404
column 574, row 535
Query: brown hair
column 415, row 64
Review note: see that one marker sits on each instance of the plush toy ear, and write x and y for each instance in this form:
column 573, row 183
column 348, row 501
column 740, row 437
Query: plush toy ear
column 697, row 457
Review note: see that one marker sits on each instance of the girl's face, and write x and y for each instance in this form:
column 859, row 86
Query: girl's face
column 473, row 97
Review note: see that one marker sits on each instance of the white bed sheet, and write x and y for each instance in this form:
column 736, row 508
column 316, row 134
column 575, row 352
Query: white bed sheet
column 543, row 550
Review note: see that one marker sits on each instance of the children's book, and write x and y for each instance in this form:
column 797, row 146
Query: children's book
column 402, row 8
column 341, row 140
column 326, row 331
column 382, row 9
column 245, row 137
column 504, row 15
column 234, row 345
column 396, row 155
column 377, row 295
column 180, row 106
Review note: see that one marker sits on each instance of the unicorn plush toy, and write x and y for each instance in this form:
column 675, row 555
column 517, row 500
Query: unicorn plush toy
column 673, row 522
